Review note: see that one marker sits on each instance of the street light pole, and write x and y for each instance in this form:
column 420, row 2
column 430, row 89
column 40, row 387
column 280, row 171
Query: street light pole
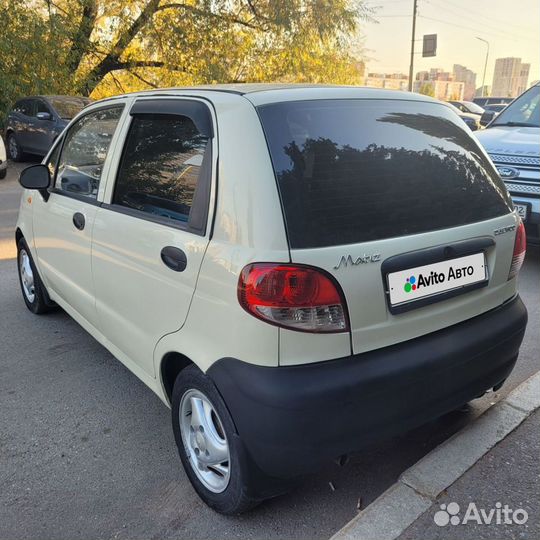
column 485, row 64
column 411, row 66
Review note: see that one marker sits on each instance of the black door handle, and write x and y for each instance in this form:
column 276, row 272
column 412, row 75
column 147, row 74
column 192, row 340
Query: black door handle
column 78, row 221
column 174, row 258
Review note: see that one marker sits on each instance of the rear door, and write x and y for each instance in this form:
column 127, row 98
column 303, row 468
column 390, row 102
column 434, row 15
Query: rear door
column 150, row 238
column 382, row 194
column 24, row 126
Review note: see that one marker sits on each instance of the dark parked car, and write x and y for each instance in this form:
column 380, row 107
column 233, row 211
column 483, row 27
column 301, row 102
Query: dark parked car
column 35, row 122
column 468, row 107
column 484, row 101
column 491, row 112
column 472, row 120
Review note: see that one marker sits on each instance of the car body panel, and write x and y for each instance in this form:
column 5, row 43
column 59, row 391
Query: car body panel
column 373, row 326
column 246, row 225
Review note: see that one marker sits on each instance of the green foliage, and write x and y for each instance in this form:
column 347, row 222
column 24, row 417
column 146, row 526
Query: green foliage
column 427, row 89
column 103, row 47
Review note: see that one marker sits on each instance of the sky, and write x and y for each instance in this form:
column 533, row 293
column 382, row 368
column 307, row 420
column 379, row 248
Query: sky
column 512, row 28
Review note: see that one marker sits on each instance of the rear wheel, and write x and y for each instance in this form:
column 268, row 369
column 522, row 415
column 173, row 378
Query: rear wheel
column 208, row 445
column 34, row 294
column 14, row 150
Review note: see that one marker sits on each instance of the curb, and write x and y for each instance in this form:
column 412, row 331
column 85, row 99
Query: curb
column 417, row 488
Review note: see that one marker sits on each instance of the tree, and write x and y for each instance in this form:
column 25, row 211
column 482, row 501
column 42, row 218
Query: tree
column 427, row 89
column 101, row 47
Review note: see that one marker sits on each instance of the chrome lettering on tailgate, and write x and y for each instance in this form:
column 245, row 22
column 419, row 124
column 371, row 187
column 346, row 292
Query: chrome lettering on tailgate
column 348, row 260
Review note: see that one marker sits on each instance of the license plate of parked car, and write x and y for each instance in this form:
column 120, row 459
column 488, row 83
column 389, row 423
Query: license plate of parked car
column 433, row 279
column 522, row 210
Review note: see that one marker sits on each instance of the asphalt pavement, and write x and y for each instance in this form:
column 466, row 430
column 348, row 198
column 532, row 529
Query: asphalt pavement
column 508, row 476
column 87, row 451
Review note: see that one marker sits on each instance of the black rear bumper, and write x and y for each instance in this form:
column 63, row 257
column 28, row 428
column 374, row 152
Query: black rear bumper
column 290, row 419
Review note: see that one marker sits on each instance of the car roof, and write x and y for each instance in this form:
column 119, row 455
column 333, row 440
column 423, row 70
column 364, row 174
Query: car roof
column 261, row 93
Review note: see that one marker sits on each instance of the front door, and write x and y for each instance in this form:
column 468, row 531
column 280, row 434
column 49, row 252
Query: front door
column 63, row 224
column 149, row 242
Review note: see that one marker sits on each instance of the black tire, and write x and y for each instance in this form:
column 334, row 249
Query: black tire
column 40, row 303
column 235, row 499
column 3, row 174
column 14, row 151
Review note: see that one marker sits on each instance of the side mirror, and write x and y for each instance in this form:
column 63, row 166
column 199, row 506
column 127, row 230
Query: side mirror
column 43, row 116
column 487, row 117
column 35, row 177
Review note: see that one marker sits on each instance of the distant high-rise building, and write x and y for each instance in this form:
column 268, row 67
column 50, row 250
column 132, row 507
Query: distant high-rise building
column 392, row 81
column 440, row 84
column 510, row 77
column 468, row 78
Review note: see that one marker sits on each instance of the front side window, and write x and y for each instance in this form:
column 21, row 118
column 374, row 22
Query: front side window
column 161, row 165
column 85, row 150
column 42, row 107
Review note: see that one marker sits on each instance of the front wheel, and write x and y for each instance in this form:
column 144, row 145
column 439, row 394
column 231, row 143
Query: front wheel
column 14, row 150
column 207, row 443
column 34, row 294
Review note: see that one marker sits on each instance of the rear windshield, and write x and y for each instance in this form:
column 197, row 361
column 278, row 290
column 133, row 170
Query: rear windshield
column 353, row 171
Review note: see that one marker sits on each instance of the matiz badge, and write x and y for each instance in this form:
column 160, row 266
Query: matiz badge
column 348, row 260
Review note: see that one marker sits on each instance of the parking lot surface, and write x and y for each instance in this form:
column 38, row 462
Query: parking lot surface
column 87, row 451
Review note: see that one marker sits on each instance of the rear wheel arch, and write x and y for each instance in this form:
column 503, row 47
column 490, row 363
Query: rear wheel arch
column 172, row 364
column 18, row 235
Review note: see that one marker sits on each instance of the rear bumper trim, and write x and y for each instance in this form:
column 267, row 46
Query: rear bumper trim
column 290, row 419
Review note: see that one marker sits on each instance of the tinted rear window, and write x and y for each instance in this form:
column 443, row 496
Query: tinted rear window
column 352, row 171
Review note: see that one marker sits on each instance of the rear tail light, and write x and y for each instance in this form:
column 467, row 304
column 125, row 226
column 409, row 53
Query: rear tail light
column 520, row 247
column 292, row 296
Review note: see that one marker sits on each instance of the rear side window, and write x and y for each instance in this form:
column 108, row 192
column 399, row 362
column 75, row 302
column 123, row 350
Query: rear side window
column 354, row 171
column 161, row 166
column 25, row 106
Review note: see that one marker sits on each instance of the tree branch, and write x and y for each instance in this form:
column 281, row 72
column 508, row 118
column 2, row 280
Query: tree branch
column 142, row 79
column 111, row 61
column 138, row 63
column 204, row 13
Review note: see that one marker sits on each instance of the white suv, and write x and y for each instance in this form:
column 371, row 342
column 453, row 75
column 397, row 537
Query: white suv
column 296, row 271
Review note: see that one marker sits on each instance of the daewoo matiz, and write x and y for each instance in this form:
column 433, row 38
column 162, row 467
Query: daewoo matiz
column 295, row 271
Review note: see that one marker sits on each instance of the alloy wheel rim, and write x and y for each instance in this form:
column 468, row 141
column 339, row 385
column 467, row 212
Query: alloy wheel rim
column 13, row 150
column 205, row 441
column 27, row 276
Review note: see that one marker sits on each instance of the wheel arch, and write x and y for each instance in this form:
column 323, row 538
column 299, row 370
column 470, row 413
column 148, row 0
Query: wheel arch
column 171, row 365
column 18, row 235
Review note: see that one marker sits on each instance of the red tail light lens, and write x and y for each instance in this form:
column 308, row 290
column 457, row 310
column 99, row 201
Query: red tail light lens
column 296, row 297
column 520, row 248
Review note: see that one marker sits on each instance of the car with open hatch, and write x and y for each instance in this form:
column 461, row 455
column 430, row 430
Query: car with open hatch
column 296, row 271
